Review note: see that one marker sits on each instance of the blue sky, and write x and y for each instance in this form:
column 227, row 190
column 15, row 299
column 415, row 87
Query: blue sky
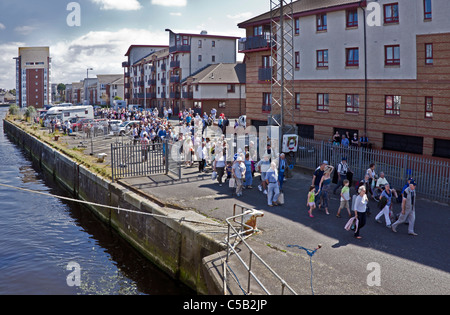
column 107, row 29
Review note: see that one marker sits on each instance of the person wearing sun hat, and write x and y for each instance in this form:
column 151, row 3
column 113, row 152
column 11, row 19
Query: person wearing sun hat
column 408, row 213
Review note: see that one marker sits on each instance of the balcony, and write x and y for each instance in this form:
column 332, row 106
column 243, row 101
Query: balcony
column 125, row 64
column 175, row 79
column 265, row 74
column 163, row 67
column 180, row 48
column 151, row 82
column 188, row 95
column 127, row 74
column 175, row 95
column 254, row 43
column 163, row 81
column 127, row 85
column 127, row 96
column 163, row 95
column 141, row 83
column 175, row 64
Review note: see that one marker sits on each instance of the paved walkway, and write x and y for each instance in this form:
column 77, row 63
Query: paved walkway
column 407, row 264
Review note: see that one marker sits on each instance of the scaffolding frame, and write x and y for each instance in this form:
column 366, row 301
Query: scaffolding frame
column 283, row 65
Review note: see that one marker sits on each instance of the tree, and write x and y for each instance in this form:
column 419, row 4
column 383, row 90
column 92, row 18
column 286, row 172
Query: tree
column 61, row 87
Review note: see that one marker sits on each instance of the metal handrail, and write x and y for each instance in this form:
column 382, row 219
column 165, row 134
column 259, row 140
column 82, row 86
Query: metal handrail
column 240, row 237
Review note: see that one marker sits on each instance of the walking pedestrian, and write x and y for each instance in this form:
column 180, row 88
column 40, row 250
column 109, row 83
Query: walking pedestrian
column 311, row 200
column 387, row 193
column 282, row 166
column 238, row 171
column 345, row 199
column 342, row 171
column 317, row 177
column 248, row 171
column 360, row 210
column 408, row 213
column 220, row 163
column 325, row 184
column 272, row 185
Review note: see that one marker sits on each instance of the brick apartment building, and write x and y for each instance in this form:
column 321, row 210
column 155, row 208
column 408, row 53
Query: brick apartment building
column 395, row 91
column 33, row 86
column 154, row 74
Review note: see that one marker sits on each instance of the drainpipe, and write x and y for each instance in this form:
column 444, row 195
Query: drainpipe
column 365, row 65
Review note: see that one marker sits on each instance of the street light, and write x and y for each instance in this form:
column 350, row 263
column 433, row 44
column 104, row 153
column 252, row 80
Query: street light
column 87, row 85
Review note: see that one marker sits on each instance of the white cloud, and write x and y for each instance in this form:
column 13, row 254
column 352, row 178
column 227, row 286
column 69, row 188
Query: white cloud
column 2, row 26
column 25, row 29
column 175, row 13
column 8, row 64
column 129, row 5
column 171, row 3
column 240, row 16
column 103, row 51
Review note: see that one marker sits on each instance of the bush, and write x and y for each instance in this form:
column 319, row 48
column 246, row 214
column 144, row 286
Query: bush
column 13, row 110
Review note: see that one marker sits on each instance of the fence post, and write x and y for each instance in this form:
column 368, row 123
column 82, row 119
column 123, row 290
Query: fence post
column 112, row 162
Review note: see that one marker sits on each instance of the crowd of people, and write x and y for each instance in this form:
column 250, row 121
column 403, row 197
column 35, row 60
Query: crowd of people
column 238, row 166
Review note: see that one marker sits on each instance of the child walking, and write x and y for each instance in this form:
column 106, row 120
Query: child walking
column 311, row 200
column 345, row 198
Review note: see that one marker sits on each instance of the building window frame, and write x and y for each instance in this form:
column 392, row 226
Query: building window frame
column 267, row 103
column 322, row 58
column 297, row 60
column 297, row 100
column 428, row 107
column 393, row 52
column 391, row 13
column 352, row 103
column 352, row 18
column 323, row 102
column 429, row 60
column 321, row 22
column 392, row 105
column 352, row 57
column 427, row 10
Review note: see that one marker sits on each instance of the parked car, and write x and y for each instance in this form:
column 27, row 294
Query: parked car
column 125, row 127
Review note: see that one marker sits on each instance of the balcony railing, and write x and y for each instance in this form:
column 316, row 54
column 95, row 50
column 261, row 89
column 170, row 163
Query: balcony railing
column 265, row 74
column 175, row 64
column 253, row 43
column 163, row 80
column 175, row 95
column 151, row 82
column 188, row 95
column 125, row 64
column 180, row 48
column 175, row 79
column 163, row 67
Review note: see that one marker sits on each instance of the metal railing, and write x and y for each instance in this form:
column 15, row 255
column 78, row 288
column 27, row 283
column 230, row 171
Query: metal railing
column 236, row 237
column 431, row 175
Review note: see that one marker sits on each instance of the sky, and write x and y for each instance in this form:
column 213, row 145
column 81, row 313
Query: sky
column 106, row 29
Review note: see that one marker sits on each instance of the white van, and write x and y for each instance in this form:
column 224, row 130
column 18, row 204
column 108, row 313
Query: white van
column 64, row 113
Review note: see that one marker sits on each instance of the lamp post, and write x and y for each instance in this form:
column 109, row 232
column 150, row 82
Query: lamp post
column 87, row 85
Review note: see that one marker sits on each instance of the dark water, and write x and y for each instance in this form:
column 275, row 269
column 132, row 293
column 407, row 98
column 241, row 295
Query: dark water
column 40, row 236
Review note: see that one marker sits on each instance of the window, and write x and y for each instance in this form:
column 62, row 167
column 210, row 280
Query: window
column 352, row 18
column 297, row 60
column 297, row 26
column 213, row 59
column 323, row 102
column 297, row 100
column 428, row 54
column 392, row 55
column 222, row 104
column 257, row 30
column 267, row 102
column 322, row 58
column 213, row 44
column 352, row 57
column 352, row 103
column 321, row 22
column 231, row 88
column 200, row 43
column 392, row 105
column 199, row 58
column 427, row 13
column 428, row 107
column 391, row 13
